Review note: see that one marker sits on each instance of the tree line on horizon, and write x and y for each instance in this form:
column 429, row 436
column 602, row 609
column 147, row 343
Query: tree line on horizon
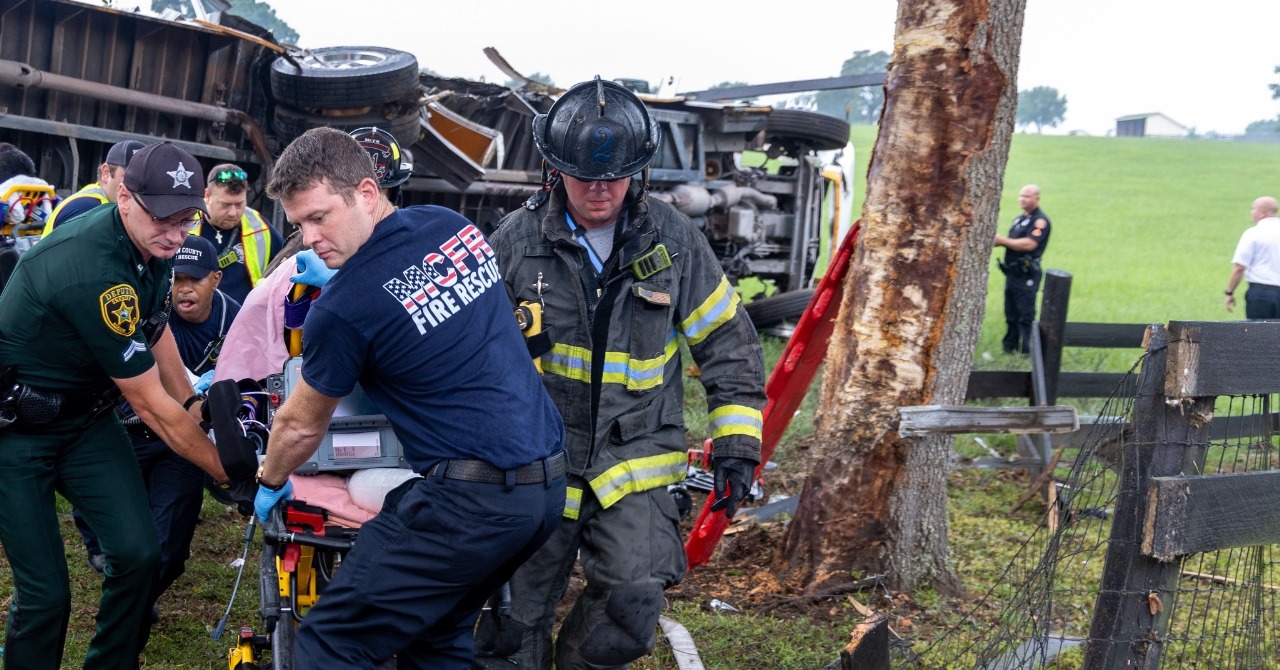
column 1268, row 126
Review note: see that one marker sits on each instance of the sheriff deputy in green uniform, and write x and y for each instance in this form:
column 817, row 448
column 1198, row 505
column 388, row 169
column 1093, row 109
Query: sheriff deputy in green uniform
column 84, row 315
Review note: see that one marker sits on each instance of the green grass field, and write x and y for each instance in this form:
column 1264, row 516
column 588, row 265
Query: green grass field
column 1145, row 227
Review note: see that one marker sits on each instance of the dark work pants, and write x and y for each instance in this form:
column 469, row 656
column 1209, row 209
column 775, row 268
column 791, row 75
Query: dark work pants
column 630, row 553
column 1262, row 301
column 1019, row 311
column 420, row 571
column 91, row 463
column 175, row 491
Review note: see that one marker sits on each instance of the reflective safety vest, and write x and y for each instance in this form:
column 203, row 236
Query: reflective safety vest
column 93, row 191
column 255, row 239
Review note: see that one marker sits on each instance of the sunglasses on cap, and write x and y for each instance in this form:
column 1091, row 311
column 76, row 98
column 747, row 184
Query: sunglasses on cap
column 227, row 176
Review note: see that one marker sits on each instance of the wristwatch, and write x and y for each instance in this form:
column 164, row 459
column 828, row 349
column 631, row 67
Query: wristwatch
column 192, row 400
column 1231, row 292
column 263, row 483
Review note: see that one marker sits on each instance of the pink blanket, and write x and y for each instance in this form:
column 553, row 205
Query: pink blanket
column 255, row 346
column 330, row 492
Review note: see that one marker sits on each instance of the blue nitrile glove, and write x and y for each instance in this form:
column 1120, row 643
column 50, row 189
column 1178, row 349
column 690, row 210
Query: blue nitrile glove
column 311, row 270
column 738, row 473
column 204, row 382
column 266, row 499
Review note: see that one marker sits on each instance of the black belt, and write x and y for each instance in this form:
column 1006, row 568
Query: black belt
column 34, row 406
column 546, row 469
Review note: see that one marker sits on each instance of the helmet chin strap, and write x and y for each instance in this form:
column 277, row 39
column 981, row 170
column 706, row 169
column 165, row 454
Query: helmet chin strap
column 550, row 177
column 644, row 183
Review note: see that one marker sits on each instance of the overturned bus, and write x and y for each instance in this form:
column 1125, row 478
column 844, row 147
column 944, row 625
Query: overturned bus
column 770, row 188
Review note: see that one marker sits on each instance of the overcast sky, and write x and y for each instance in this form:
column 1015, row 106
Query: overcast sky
column 1205, row 66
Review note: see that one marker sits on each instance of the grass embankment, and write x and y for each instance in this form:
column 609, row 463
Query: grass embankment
column 1146, row 228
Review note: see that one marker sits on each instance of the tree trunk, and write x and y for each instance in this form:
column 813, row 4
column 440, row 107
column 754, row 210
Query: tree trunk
column 914, row 300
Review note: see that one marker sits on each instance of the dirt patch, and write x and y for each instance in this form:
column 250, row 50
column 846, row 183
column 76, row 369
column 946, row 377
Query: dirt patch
column 748, row 573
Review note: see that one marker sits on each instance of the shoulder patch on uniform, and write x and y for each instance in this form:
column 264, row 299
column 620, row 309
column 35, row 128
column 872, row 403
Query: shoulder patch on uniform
column 1041, row 223
column 652, row 297
column 120, row 311
column 1035, row 233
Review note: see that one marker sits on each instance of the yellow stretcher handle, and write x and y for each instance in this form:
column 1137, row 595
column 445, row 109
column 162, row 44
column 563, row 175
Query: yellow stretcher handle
column 293, row 338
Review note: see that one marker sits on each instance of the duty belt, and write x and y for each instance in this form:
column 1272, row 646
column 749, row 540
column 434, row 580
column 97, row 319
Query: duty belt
column 31, row 406
column 543, row 470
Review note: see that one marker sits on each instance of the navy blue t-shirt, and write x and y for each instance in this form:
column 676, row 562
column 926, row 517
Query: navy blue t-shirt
column 200, row 343
column 419, row 317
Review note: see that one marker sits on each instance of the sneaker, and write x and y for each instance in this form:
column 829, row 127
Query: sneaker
column 98, row 563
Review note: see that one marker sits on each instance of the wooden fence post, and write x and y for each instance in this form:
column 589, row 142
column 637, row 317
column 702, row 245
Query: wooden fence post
column 1053, row 327
column 869, row 647
column 1131, row 614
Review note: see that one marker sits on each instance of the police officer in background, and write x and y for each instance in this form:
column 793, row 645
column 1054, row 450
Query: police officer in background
column 619, row 277
column 85, row 315
column 101, row 192
column 1025, row 244
column 245, row 242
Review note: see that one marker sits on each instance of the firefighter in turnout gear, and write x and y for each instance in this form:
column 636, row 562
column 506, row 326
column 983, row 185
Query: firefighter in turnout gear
column 621, row 279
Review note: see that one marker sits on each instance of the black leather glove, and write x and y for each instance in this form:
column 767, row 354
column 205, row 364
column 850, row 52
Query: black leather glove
column 737, row 473
column 241, row 492
column 236, row 450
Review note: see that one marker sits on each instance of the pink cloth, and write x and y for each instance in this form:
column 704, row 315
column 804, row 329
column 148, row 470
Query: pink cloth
column 330, row 493
column 255, row 346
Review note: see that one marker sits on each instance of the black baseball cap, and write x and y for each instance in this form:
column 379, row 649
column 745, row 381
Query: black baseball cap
column 196, row 258
column 121, row 153
column 166, row 179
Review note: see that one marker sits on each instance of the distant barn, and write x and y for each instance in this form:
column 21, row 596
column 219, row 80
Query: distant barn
column 1153, row 124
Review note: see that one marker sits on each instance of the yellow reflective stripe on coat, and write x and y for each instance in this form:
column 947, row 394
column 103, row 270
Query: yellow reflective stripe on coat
column 736, row 420
column 639, row 474
column 255, row 234
column 637, row 374
column 715, row 311
column 568, row 361
column 572, row 503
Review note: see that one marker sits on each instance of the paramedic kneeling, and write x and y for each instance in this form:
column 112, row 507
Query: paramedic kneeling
column 419, row 317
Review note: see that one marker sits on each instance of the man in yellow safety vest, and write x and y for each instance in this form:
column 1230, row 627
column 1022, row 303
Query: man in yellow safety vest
column 243, row 238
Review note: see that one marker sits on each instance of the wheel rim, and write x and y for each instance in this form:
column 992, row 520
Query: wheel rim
column 346, row 60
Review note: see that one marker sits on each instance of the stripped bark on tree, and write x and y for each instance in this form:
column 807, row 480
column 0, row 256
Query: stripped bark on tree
column 914, row 299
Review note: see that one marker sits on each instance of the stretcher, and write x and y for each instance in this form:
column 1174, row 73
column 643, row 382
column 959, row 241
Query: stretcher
column 301, row 552
column 305, row 538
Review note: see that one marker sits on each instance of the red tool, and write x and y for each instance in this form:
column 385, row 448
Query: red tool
column 786, row 387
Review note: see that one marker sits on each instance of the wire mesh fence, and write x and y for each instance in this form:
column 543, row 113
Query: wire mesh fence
column 1217, row 610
